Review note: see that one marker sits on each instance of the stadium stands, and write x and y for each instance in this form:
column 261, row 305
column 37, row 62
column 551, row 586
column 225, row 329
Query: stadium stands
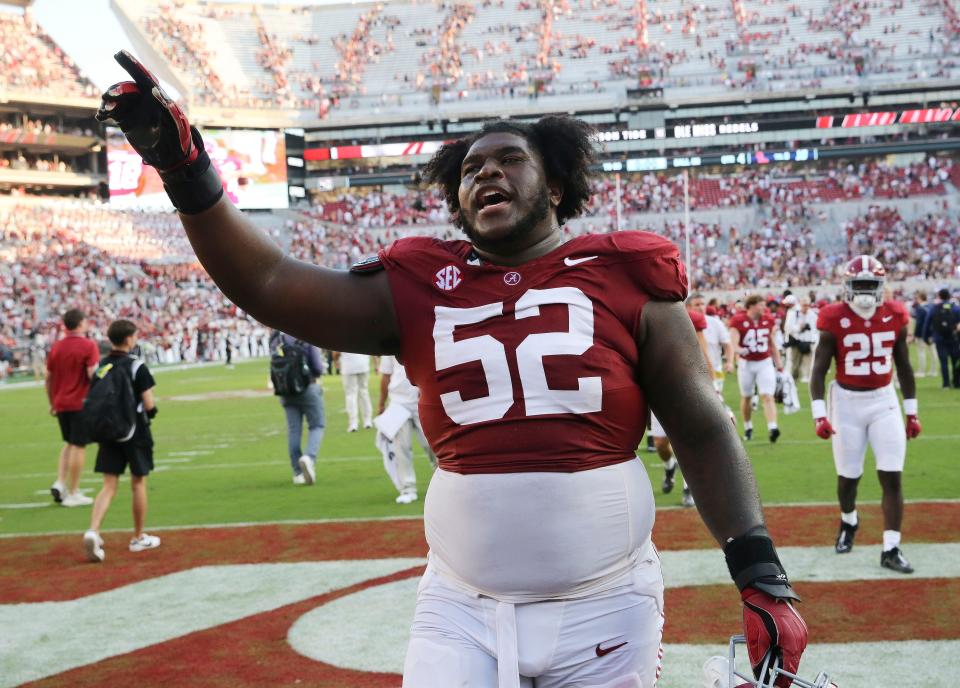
column 408, row 54
column 137, row 264
column 32, row 62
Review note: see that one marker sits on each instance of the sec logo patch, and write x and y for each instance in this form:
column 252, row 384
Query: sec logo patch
column 448, row 278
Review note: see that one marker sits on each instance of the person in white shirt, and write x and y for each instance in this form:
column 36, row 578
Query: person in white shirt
column 800, row 329
column 719, row 346
column 355, row 373
column 396, row 424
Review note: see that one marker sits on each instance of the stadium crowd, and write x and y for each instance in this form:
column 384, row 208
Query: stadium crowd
column 31, row 61
column 138, row 265
column 779, row 45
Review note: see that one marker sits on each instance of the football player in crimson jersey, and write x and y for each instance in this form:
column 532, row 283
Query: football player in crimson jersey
column 867, row 336
column 536, row 361
column 752, row 334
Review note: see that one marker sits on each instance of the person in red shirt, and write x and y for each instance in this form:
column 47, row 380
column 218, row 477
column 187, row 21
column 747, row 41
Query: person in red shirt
column 867, row 336
column 751, row 332
column 70, row 366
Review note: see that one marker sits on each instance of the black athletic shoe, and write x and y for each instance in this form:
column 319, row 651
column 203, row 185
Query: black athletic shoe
column 748, row 434
column 774, row 434
column 650, row 445
column 895, row 561
column 668, row 474
column 845, row 537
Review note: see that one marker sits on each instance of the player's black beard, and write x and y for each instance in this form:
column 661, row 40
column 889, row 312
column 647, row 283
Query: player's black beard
column 514, row 238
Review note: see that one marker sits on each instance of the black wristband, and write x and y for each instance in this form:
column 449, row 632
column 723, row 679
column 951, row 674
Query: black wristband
column 753, row 562
column 195, row 187
column 152, row 413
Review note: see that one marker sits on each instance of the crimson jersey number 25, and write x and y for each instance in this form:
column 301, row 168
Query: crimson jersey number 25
column 861, row 347
column 538, row 398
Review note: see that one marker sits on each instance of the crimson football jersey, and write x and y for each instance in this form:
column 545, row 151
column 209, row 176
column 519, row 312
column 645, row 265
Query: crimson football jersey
column 532, row 367
column 756, row 336
column 864, row 349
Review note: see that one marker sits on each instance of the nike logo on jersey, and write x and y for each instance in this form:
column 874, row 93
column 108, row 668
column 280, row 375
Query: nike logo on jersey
column 576, row 261
column 601, row 651
column 887, row 319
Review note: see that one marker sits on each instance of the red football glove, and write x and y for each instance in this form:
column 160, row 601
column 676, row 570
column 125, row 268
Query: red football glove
column 154, row 125
column 772, row 626
column 823, row 428
column 913, row 427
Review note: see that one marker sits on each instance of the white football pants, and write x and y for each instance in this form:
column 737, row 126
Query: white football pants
column 356, row 389
column 399, row 450
column 866, row 417
column 461, row 639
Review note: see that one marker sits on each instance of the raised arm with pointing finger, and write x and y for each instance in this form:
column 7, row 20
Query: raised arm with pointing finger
column 333, row 309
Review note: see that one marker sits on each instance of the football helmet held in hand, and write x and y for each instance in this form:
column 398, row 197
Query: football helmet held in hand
column 721, row 672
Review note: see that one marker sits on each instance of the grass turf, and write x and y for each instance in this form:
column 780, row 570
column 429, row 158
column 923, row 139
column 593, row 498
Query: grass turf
column 221, row 458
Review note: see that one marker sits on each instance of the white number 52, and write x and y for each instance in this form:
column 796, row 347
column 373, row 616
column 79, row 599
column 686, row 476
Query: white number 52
column 538, row 398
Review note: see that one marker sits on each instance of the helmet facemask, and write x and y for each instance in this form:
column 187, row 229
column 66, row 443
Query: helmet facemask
column 863, row 293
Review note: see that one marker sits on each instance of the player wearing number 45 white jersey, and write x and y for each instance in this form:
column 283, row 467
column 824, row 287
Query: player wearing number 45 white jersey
column 536, row 361
column 866, row 336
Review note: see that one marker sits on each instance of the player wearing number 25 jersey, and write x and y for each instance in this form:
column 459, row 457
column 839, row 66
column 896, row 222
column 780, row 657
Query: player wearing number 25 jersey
column 535, row 361
column 866, row 335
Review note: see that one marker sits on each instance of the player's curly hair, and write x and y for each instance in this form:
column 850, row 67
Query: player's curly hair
column 565, row 145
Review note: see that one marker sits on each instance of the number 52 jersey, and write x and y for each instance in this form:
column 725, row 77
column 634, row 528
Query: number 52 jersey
column 864, row 347
column 532, row 367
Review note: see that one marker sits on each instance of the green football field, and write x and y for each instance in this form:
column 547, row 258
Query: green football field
column 221, row 458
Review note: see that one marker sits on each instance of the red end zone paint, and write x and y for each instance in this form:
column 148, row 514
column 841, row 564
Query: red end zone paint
column 854, row 611
column 39, row 569
column 53, row 568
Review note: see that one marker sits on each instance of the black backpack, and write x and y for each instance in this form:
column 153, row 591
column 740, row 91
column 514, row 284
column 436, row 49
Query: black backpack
column 945, row 321
column 289, row 371
column 110, row 409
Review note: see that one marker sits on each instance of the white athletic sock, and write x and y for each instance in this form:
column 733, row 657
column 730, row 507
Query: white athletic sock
column 772, row 426
column 891, row 539
column 748, row 425
column 685, row 486
column 671, row 464
column 850, row 519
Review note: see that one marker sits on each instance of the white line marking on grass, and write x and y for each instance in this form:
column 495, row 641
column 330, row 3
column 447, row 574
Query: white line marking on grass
column 281, row 461
column 238, row 524
column 26, row 505
column 815, row 564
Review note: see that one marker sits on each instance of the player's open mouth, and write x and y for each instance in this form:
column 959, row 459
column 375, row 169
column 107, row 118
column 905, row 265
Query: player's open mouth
column 491, row 201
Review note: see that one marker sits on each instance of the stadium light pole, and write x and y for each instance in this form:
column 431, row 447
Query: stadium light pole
column 686, row 226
